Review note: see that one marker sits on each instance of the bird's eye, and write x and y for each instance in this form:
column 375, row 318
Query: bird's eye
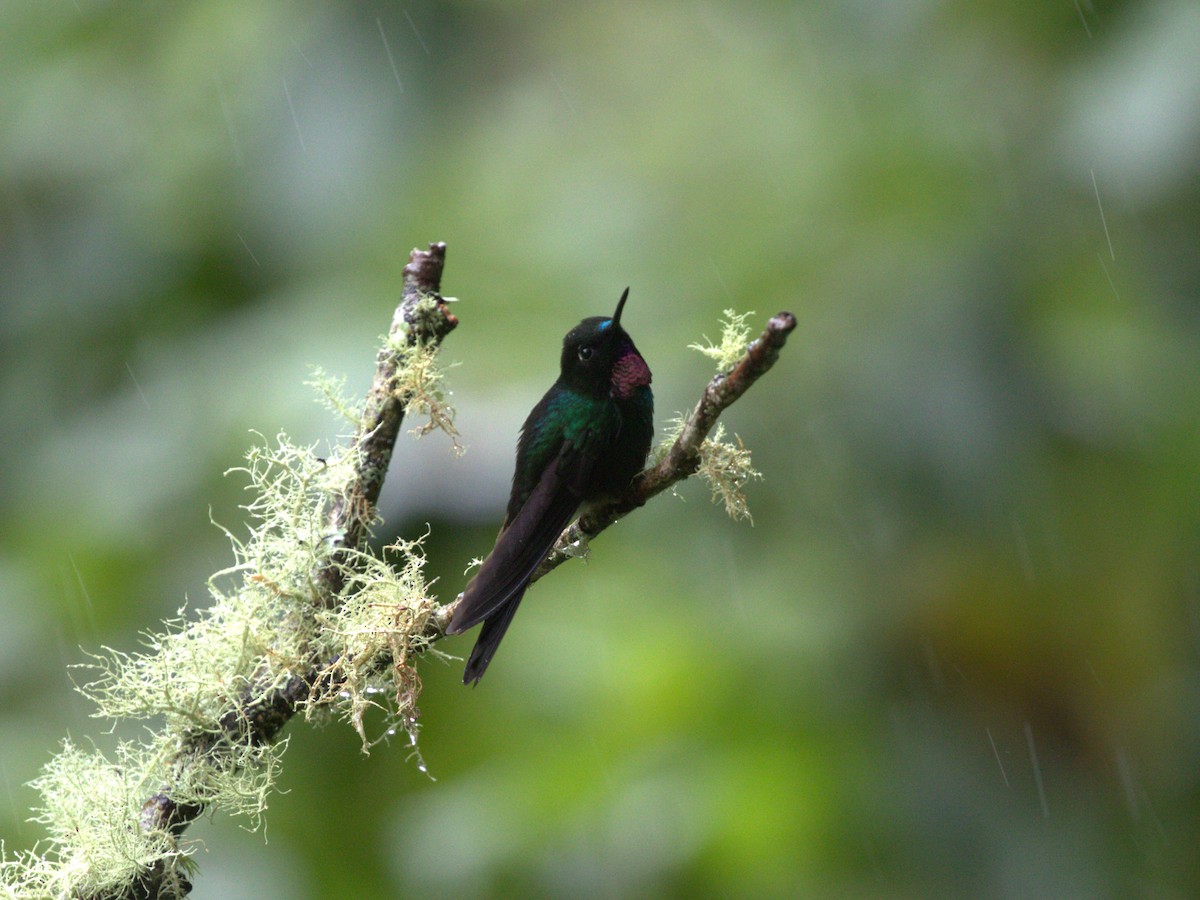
column 585, row 353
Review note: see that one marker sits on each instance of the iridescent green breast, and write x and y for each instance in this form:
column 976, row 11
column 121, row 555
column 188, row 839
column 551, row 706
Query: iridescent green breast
column 572, row 417
column 562, row 416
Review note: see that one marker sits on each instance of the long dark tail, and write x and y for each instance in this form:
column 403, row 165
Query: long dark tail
column 490, row 636
column 493, row 595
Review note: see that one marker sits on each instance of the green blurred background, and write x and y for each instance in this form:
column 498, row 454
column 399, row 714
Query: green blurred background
column 957, row 652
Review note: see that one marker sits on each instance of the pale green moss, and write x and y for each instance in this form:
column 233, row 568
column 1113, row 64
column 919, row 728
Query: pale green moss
column 420, row 384
column 91, row 808
column 735, row 337
column 671, row 433
column 332, row 394
column 727, row 468
column 424, row 315
column 724, row 465
column 370, row 641
column 266, row 624
column 259, row 628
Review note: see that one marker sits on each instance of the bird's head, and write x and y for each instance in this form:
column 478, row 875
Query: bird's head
column 599, row 357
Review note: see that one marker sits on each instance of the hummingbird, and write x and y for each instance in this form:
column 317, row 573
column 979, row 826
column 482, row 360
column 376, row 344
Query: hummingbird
column 585, row 440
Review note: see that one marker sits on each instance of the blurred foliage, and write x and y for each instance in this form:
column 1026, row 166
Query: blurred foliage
column 957, row 652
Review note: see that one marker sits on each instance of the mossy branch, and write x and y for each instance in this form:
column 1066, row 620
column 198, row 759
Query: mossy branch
column 295, row 625
column 307, row 620
column 421, row 320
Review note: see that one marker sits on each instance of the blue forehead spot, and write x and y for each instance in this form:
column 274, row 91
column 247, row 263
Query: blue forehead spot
column 604, row 324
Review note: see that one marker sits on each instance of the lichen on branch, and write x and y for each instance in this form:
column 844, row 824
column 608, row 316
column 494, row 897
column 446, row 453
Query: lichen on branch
column 296, row 623
column 372, row 641
column 735, row 337
column 421, row 383
column 308, row 620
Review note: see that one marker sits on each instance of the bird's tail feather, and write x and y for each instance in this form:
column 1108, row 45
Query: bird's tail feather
column 489, row 639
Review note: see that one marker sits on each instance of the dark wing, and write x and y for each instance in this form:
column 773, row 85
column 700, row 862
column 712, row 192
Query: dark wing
column 539, row 445
column 525, row 540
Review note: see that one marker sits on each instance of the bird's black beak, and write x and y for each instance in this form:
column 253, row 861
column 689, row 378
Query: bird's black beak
column 620, row 306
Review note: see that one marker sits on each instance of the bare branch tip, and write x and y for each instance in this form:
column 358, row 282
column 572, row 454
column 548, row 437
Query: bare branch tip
column 782, row 323
column 417, row 258
column 423, row 279
column 424, row 269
